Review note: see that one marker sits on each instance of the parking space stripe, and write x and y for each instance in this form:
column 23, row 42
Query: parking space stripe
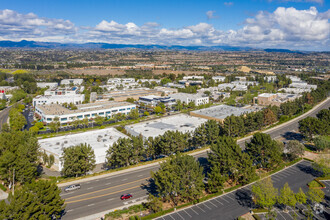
column 282, row 174
column 187, row 213
column 224, row 199
column 213, row 204
column 206, row 206
column 229, row 197
column 180, row 215
column 200, row 208
column 218, row 201
column 194, row 211
column 172, row 217
column 280, row 214
column 276, row 178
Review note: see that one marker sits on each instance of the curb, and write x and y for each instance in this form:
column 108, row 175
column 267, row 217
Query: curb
column 97, row 216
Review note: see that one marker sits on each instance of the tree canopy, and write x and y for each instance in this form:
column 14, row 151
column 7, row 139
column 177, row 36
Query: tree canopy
column 78, row 160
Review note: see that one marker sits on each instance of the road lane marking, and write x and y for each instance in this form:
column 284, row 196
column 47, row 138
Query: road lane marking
column 140, row 175
column 70, row 210
column 110, row 199
column 104, row 189
column 91, row 204
column 88, row 183
column 101, row 195
column 107, row 184
column 91, row 187
column 108, row 178
column 123, row 179
column 97, row 180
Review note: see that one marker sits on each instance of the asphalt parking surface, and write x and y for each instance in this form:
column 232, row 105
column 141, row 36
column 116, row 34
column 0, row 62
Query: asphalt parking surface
column 238, row 202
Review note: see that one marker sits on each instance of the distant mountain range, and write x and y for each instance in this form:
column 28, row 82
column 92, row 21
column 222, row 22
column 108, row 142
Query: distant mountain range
column 55, row 45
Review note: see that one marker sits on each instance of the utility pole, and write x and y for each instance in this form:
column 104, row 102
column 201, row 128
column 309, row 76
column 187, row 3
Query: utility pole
column 14, row 181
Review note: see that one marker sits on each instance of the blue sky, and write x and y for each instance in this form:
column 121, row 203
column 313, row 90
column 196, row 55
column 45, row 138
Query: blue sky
column 185, row 22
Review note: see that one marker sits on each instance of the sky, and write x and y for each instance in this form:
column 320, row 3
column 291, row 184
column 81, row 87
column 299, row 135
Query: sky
column 290, row 24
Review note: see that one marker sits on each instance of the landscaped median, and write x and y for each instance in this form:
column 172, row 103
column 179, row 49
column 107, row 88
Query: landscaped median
column 116, row 214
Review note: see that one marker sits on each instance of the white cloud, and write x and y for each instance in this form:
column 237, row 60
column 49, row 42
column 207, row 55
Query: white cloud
column 14, row 25
column 228, row 3
column 285, row 28
column 312, row 1
column 210, row 15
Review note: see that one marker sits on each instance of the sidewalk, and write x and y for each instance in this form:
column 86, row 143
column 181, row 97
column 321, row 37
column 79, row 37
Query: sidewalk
column 3, row 195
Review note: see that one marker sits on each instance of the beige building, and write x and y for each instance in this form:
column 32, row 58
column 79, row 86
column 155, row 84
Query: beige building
column 274, row 98
column 122, row 95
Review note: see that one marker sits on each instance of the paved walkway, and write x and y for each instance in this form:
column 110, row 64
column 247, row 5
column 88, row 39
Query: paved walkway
column 3, row 195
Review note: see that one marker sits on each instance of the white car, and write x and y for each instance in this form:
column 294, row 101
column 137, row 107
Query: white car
column 72, row 187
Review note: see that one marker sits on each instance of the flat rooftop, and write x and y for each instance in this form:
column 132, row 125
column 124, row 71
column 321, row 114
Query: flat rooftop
column 56, row 109
column 222, row 111
column 100, row 140
column 182, row 122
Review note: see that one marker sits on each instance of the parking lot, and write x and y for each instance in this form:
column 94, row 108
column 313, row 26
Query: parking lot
column 238, row 202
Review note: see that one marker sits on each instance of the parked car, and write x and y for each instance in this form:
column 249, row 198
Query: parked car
column 125, row 196
column 72, row 187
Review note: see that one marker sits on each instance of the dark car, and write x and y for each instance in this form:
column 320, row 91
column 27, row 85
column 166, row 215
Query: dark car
column 125, row 196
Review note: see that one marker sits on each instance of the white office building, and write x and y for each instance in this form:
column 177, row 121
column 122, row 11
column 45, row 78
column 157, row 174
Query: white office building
column 105, row 109
column 186, row 98
column 50, row 85
column 58, row 99
column 153, row 100
column 100, row 140
column 72, row 81
column 219, row 78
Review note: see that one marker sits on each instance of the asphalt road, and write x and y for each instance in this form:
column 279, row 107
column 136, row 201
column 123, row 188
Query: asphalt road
column 103, row 194
column 231, row 205
column 4, row 116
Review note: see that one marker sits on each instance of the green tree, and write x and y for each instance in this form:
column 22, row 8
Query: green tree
column 295, row 149
column 265, row 152
column 315, row 194
column 99, row 120
column 37, row 200
column 178, row 105
column 264, row 193
column 322, row 165
column 34, row 129
column 154, row 203
column 85, row 122
column 78, row 160
column 19, row 151
column 134, row 114
column 321, row 143
column 158, row 110
column 125, row 152
column 216, row 180
column 233, row 126
column 51, row 160
column 16, row 120
column 146, row 113
column 301, row 197
column 309, row 127
column 287, row 197
column 179, row 179
column 54, row 126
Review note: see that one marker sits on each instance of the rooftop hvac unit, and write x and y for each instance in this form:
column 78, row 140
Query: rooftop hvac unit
column 104, row 140
column 57, row 143
column 65, row 142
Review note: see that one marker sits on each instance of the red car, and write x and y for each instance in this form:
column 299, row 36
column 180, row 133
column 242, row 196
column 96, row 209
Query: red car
column 125, row 196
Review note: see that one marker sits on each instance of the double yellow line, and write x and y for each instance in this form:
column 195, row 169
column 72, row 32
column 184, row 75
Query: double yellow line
column 81, row 195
